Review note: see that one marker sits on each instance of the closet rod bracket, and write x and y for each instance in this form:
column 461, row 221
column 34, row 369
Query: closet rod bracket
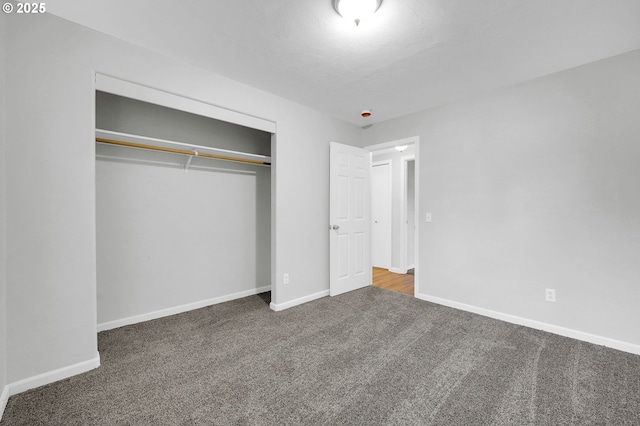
column 188, row 163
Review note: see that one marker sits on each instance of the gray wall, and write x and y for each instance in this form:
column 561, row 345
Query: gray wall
column 141, row 118
column 411, row 210
column 535, row 186
column 51, row 203
column 167, row 238
column 3, row 215
column 396, row 199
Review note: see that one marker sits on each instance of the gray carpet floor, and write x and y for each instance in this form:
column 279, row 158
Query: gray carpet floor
column 369, row 357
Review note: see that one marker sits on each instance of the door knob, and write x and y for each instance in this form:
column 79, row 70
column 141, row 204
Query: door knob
column 335, row 227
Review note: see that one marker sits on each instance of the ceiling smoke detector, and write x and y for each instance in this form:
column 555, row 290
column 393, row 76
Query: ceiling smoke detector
column 356, row 10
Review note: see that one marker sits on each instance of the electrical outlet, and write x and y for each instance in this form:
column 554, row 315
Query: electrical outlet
column 286, row 278
column 427, row 217
column 550, row 294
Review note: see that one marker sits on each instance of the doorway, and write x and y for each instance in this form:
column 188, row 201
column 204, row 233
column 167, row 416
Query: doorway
column 399, row 159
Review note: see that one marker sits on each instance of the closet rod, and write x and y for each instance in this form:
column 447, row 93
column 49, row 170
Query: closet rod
column 181, row 151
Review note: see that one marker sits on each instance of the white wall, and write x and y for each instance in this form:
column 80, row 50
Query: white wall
column 3, row 215
column 531, row 187
column 166, row 238
column 51, row 239
column 396, row 196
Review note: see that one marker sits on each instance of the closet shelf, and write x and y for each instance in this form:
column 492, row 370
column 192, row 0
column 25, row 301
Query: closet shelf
column 143, row 142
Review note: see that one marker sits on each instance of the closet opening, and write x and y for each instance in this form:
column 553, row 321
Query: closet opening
column 183, row 210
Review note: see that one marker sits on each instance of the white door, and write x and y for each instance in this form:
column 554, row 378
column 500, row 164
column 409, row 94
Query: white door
column 381, row 215
column 350, row 224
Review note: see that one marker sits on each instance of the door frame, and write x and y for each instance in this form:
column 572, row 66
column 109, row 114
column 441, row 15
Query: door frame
column 389, row 251
column 413, row 140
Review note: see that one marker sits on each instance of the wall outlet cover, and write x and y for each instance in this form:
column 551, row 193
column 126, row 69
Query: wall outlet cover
column 550, row 294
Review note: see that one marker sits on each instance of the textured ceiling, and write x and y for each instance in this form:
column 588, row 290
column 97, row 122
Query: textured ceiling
column 411, row 55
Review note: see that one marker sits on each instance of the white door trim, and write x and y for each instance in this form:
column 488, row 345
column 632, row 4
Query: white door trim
column 117, row 86
column 391, row 144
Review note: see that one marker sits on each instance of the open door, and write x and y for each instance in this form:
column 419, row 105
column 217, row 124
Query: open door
column 350, row 219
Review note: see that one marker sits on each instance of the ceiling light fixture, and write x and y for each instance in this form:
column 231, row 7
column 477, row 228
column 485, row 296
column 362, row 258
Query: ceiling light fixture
column 401, row 148
column 356, row 10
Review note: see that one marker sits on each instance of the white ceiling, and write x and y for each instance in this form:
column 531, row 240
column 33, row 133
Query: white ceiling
column 411, row 55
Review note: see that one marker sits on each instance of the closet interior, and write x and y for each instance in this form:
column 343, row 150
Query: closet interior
column 183, row 210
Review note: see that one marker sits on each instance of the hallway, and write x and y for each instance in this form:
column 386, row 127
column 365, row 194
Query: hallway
column 400, row 283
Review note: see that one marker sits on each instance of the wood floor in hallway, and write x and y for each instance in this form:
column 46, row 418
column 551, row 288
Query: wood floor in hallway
column 400, row 283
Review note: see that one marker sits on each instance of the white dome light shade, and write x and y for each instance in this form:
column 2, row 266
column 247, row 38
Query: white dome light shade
column 356, row 10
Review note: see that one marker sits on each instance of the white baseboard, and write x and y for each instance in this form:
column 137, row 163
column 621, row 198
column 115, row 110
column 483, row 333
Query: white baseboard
column 4, row 398
column 412, row 266
column 398, row 270
column 299, row 301
column 551, row 328
column 53, row 376
column 180, row 309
